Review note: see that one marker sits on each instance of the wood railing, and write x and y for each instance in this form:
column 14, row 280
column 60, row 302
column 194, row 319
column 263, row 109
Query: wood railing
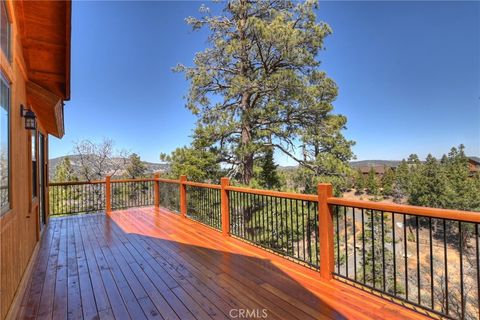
column 424, row 257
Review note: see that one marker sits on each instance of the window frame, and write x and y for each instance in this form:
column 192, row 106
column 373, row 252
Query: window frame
column 4, row 209
column 34, row 155
column 8, row 54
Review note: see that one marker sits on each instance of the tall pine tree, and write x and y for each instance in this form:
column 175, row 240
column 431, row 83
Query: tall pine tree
column 259, row 85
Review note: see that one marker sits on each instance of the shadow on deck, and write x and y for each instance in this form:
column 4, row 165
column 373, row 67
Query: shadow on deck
column 147, row 263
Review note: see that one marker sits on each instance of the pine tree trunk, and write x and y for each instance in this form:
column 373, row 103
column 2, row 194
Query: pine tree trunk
column 247, row 157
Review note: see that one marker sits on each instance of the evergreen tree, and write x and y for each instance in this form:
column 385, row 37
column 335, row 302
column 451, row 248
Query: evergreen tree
column 64, row 171
column 429, row 186
column 66, row 195
column 268, row 175
column 402, row 181
column 372, row 182
column 136, row 168
column 197, row 164
column 259, row 85
column 388, row 181
column 463, row 191
column 360, row 183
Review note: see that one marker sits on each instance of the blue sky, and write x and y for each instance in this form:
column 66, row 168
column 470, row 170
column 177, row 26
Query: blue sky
column 408, row 73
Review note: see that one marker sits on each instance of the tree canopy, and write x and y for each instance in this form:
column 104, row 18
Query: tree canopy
column 259, row 85
column 197, row 164
column 135, row 168
column 64, row 171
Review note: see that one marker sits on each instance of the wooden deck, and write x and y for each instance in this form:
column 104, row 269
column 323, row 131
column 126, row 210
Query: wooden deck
column 152, row 264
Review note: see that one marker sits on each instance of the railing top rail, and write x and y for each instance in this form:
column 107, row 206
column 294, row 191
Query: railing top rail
column 202, row 185
column 133, row 180
column 280, row 194
column 74, row 183
column 168, row 180
column 466, row 216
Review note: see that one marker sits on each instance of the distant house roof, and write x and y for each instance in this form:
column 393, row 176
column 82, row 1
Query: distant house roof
column 475, row 159
column 378, row 169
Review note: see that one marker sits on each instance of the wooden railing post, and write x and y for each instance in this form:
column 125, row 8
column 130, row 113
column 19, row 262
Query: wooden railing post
column 156, row 190
column 225, row 210
column 325, row 229
column 108, row 194
column 183, row 196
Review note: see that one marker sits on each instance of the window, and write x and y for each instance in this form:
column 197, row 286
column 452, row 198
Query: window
column 4, row 144
column 5, row 30
column 34, row 163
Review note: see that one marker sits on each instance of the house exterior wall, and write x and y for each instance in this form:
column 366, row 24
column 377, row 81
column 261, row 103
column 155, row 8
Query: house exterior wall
column 473, row 166
column 20, row 224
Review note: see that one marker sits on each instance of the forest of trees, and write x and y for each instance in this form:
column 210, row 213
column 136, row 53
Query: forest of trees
column 445, row 183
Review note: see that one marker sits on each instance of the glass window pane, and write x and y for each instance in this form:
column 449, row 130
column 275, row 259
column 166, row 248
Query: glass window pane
column 34, row 164
column 4, row 30
column 4, row 142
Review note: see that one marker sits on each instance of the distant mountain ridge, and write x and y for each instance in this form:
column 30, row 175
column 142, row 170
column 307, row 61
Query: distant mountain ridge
column 74, row 159
column 375, row 163
column 359, row 164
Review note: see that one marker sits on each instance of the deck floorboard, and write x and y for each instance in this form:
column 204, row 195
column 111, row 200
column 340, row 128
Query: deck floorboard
column 148, row 263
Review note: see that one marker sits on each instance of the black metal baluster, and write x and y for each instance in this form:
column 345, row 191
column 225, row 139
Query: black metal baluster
column 241, row 226
column 405, row 253
column 236, row 213
column 244, row 209
column 462, row 296
column 445, row 263
column 477, row 265
column 276, row 221
column 363, row 248
column 291, row 227
column 210, row 206
column 201, row 214
column 254, row 217
column 309, row 235
column 303, row 231
column 261, row 218
column 431, row 262
column 383, row 251
column 346, row 239
column 256, row 213
column 315, row 224
column 373, row 248
column 394, row 256
column 418, row 260
column 281, row 223
column 354, row 245
column 297, row 231
column 246, row 221
column 273, row 231
column 338, row 239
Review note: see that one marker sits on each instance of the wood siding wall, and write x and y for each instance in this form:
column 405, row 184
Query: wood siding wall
column 19, row 227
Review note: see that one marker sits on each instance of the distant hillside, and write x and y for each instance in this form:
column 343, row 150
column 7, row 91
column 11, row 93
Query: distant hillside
column 374, row 163
column 358, row 164
column 151, row 167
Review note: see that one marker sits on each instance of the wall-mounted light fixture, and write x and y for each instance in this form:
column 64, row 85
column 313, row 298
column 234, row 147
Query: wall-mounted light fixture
column 30, row 118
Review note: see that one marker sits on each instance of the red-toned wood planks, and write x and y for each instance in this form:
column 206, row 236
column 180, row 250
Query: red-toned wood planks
column 151, row 264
